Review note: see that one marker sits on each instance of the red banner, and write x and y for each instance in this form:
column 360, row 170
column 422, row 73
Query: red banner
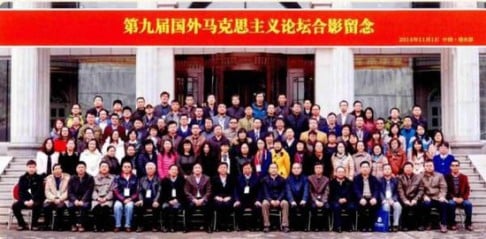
column 242, row 27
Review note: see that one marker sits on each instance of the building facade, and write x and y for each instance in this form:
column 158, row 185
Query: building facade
column 38, row 85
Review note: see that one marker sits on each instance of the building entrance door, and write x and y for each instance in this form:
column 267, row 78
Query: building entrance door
column 244, row 83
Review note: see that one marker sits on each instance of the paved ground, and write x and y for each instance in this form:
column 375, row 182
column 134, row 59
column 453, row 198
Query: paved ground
column 479, row 233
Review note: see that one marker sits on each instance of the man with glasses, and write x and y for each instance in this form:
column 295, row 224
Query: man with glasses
column 231, row 132
column 458, row 190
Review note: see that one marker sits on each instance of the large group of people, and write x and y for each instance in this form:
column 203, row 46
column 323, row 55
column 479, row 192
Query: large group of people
column 239, row 164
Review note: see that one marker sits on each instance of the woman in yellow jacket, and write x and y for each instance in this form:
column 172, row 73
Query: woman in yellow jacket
column 281, row 158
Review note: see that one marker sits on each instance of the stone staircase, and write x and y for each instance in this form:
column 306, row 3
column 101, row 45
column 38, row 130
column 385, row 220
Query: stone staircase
column 478, row 188
column 7, row 180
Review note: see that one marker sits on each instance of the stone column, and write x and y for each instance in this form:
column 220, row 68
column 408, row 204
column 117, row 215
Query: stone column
column 155, row 65
column 460, row 93
column 334, row 69
column 30, row 94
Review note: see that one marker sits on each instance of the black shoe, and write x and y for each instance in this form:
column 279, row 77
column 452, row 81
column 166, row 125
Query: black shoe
column 338, row 230
column 420, row 228
column 139, row 229
column 405, row 229
column 266, row 229
column 286, row 229
column 35, row 228
column 209, row 230
column 164, row 229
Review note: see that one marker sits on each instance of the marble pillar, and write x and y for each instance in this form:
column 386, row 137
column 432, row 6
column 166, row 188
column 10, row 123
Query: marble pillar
column 30, row 93
column 155, row 67
column 334, row 69
column 460, row 93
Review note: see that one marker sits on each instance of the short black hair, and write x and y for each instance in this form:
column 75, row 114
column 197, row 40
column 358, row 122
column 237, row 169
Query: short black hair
column 363, row 163
column 31, row 162
column 81, row 163
column 117, row 101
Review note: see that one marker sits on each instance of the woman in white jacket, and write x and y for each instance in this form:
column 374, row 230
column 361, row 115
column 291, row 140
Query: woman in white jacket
column 92, row 157
column 118, row 143
column 46, row 157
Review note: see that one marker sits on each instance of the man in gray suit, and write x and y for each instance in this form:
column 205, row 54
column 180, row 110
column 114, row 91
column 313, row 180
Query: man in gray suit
column 344, row 117
column 221, row 119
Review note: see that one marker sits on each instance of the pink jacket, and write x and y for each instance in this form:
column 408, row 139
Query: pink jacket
column 164, row 162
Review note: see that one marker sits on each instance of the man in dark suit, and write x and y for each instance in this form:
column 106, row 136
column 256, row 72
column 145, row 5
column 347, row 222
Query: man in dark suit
column 258, row 131
column 31, row 194
column 298, row 195
column 247, row 196
column 341, row 197
column 389, row 195
column 172, row 197
column 198, row 194
column 367, row 192
column 273, row 186
column 222, row 193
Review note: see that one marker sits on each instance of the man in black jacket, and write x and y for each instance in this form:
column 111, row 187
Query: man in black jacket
column 80, row 190
column 246, row 196
column 172, row 197
column 367, row 191
column 31, row 195
column 223, row 194
column 341, row 197
column 273, row 186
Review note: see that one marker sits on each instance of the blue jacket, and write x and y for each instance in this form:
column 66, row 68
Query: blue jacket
column 259, row 113
column 249, row 199
column 122, row 183
column 408, row 134
column 266, row 161
column 443, row 166
column 297, row 188
column 142, row 160
column 358, row 185
column 273, row 189
column 393, row 188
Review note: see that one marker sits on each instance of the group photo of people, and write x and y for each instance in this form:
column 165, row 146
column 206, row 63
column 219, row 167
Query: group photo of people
column 268, row 166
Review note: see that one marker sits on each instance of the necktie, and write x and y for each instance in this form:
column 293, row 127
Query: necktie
column 49, row 164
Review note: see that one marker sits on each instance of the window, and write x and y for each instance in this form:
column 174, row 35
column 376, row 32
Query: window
column 187, row 86
column 4, row 100
column 298, row 86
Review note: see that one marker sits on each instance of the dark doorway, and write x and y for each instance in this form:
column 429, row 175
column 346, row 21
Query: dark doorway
column 243, row 83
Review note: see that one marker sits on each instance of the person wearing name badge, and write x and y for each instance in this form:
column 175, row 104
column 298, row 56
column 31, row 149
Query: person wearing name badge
column 56, row 195
column 30, row 196
column 246, row 196
column 262, row 159
column 148, row 198
column 198, row 193
column 102, row 197
column 172, row 197
column 389, row 195
column 222, row 193
column 318, row 191
column 125, row 195
column 80, row 191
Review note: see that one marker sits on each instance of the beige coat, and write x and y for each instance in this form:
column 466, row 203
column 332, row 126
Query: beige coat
column 51, row 191
column 103, row 187
column 347, row 162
